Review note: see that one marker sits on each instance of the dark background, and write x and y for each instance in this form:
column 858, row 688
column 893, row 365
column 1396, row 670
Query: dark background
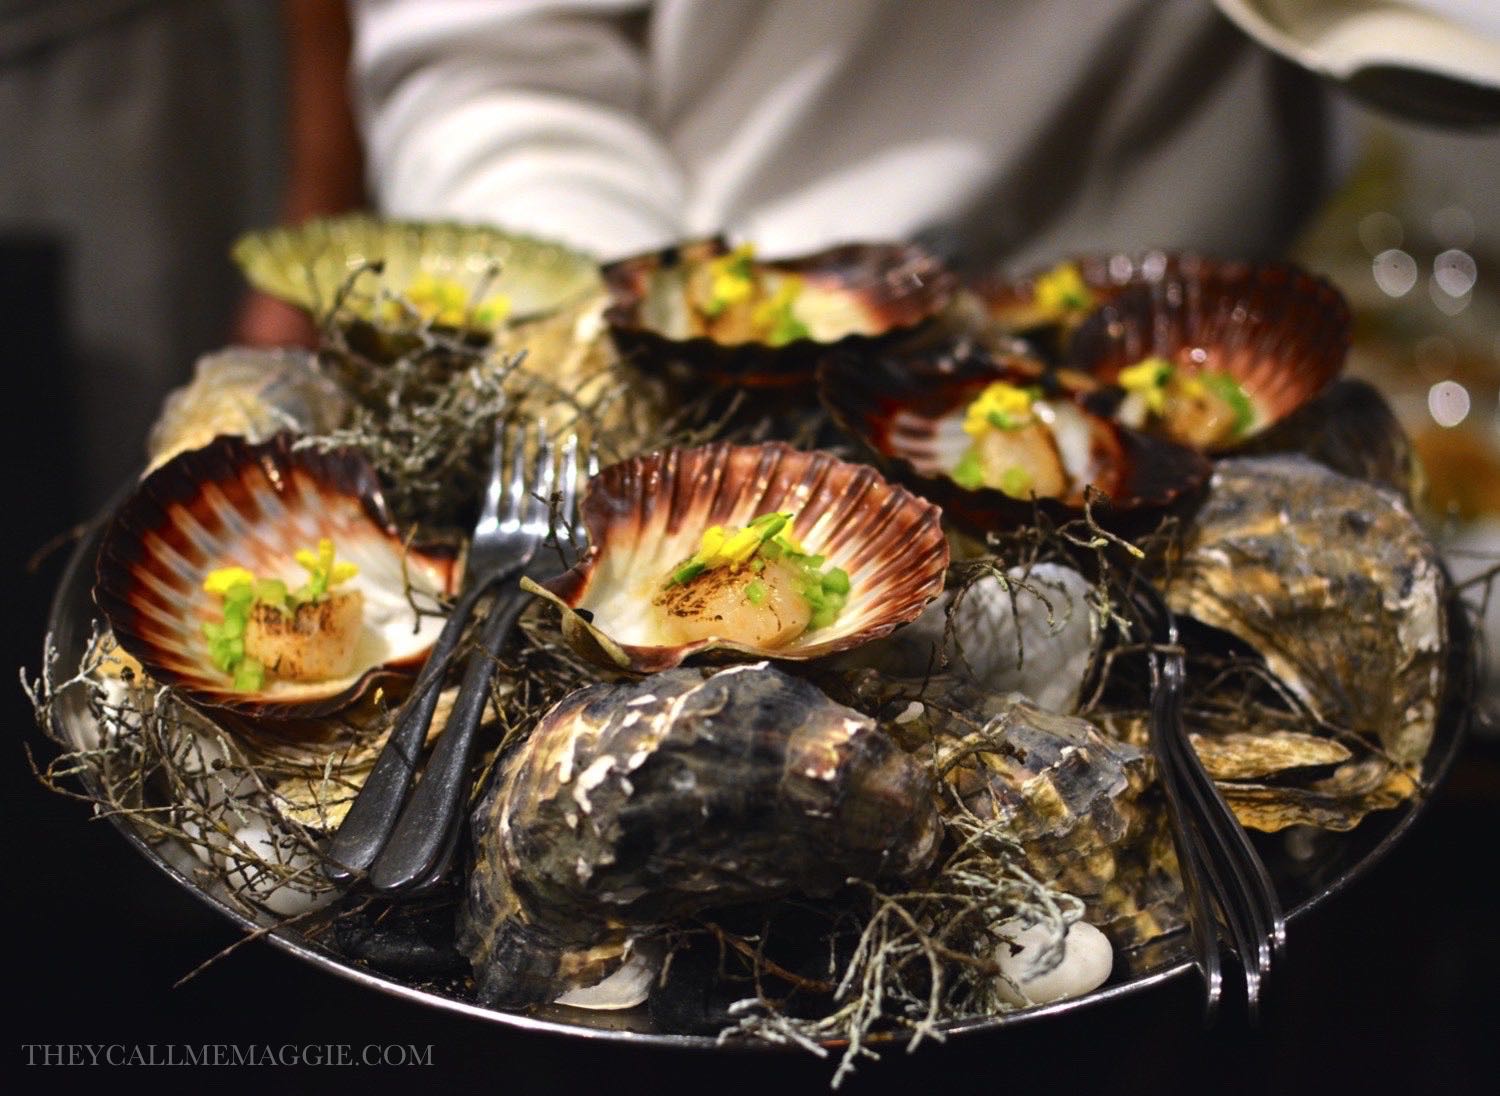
column 1392, row 986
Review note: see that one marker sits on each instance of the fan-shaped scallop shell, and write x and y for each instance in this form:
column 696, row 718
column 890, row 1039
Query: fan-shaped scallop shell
column 253, row 506
column 1280, row 332
column 310, row 265
column 858, row 293
column 909, row 408
column 1010, row 303
column 647, row 514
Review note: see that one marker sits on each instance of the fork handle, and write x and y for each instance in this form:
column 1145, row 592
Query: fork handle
column 372, row 816
column 425, row 827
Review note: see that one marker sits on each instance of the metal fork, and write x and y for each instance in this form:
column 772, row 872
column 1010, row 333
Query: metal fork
column 1216, row 858
column 513, row 522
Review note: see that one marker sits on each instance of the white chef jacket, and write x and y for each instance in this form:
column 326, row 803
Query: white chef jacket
column 995, row 128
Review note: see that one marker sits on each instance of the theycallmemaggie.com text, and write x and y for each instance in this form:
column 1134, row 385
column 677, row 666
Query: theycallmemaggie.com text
column 225, row 1054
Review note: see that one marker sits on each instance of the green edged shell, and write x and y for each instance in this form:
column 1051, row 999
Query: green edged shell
column 308, row 265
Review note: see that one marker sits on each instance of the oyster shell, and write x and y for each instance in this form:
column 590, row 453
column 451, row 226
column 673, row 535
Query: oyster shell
column 631, row 805
column 1033, row 633
column 249, row 393
column 647, row 514
column 1070, row 797
column 910, row 407
column 1333, row 582
column 1279, row 332
column 255, row 506
column 310, row 264
column 850, row 295
column 1351, row 429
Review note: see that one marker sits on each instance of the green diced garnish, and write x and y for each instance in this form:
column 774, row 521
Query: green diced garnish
column 249, row 675
column 1016, row 482
column 755, row 592
column 272, row 591
column 1229, row 390
column 836, row 581
column 687, row 572
column 968, row 472
column 822, row 617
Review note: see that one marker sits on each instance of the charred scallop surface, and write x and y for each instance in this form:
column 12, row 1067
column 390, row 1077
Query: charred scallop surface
column 1334, row 583
column 631, row 805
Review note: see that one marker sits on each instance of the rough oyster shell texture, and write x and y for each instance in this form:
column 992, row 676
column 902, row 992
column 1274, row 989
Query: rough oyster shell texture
column 1333, row 582
column 631, row 805
column 1069, row 795
column 310, row 264
column 865, row 292
column 1280, row 332
column 647, row 514
column 909, row 409
column 249, row 393
column 236, row 504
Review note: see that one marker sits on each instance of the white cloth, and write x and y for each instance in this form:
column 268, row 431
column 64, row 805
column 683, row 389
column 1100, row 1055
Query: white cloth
column 1020, row 128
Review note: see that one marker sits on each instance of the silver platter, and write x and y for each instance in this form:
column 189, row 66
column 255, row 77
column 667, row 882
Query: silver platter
column 1307, row 874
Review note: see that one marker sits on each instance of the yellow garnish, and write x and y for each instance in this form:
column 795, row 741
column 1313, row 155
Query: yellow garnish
column 1062, row 290
column 323, row 572
column 713, row 539
column 1149, row 379
column 445, row 301
column 1001, row 406
column 220, row 582
column 740, row 547
column 731, row 281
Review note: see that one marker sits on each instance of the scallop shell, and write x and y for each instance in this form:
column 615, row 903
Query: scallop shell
column 1333, row 582
column 1010, row 306
column 1280, row 332
column 254, row 506
column 310, row 264
column 909, row 409
column 630, row 806
column 647, row 514
column 250, row 393
column 863, row 292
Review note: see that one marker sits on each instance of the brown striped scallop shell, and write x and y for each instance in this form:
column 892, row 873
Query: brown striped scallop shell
column 232, row 503
column 1010, row 306
column 909, row 408
column 852, row 295
column 647, row 514
column 1280, row 332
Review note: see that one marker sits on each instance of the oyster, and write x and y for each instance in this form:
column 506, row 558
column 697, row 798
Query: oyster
column 1274, row 334
column 1332, row 581
column 248, row 393
column 1351, row 429
column 256, row 506
column 847, row 296
column 460, row 276
column 632, row 805
column 912, row 407
column 646, row 515
column 1070, row 797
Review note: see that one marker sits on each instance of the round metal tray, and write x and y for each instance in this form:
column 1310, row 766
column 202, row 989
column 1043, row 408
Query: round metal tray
column 1303, row 881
